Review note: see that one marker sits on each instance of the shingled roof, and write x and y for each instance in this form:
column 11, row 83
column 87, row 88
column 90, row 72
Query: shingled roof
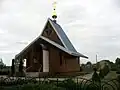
column 67, row 45
column 63, row 37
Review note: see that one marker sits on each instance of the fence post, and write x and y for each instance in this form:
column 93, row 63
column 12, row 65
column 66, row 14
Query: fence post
column 77, row 80
column 57, row 82
column 77, row 84
column 39, row 78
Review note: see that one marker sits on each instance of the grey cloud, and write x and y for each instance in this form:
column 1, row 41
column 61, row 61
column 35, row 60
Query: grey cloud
column 97, row 33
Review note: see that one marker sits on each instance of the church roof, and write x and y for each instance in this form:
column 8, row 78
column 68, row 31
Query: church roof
column 67, row 45
column 63, row 37
column 61, row 47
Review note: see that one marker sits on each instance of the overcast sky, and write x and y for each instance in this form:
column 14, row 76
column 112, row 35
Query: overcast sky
column 93, row 26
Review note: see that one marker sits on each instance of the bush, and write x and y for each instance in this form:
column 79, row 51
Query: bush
column 118, row 78
column 113, row 67
column 95, row 77
column 101, row 74
column 104, row 71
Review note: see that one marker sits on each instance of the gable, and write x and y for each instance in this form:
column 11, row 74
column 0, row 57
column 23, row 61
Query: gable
column 50, row 33
column 54, row 34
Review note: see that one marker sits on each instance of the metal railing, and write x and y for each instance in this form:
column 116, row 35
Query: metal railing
column 67, row 83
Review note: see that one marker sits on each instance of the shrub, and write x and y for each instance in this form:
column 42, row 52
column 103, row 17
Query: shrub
column 104, row 71
column 101, row 74
column 118, row 78
column 113, row 67
column 95, row 77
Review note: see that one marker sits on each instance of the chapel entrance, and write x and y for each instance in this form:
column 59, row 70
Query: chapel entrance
column 34, row 61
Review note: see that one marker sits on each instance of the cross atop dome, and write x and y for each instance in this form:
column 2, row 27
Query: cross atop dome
column 54, row 15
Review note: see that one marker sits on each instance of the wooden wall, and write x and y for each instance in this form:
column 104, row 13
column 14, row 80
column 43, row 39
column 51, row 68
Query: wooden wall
column 58, row 61
column 69, row 64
